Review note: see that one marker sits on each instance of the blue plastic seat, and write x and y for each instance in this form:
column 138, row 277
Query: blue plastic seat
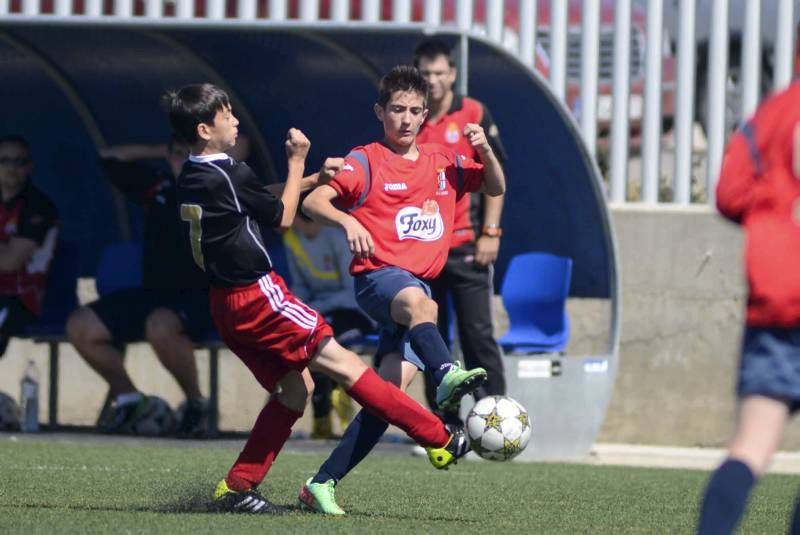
column 119, row 267
column 535, row 291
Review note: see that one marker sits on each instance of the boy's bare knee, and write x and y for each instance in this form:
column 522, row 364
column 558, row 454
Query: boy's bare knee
column 83, row 327
column 296, row 390
column 424, row 310
column 338, row 363
column 162, row 325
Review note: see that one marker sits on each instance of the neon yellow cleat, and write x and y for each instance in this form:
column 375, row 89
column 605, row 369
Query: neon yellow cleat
column 456, row 447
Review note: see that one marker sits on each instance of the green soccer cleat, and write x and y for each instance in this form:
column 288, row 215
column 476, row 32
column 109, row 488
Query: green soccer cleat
column 450, row 453
column 250, row 501
column 456, row 384
column 319, row 497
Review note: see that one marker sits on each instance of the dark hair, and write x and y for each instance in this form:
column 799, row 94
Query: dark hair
column 433, row 48
column 192, row 105
column 402, row 78
column 18, row 141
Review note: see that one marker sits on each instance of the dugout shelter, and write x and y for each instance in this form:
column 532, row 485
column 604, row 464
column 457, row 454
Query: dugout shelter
column 73, row 85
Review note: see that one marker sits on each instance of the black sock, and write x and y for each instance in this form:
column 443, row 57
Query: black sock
column 726, row 498
column 427, row 343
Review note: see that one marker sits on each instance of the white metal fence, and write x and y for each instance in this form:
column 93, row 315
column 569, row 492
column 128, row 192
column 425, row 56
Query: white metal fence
column 656, row 85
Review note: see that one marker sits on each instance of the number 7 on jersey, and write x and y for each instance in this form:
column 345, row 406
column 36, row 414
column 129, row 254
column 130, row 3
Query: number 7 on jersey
column 193, row 213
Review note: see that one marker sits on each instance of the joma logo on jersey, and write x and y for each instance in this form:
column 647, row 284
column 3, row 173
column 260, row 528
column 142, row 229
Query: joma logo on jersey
column 412, row 224
column 398, row 186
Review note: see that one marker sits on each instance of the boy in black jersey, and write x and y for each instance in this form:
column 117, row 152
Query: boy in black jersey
column 276, row 335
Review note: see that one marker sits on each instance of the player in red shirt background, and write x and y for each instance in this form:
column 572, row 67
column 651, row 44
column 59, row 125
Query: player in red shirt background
column 396, row 202
column 759, row 188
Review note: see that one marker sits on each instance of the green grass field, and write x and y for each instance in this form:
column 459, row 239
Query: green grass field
column 77, row 487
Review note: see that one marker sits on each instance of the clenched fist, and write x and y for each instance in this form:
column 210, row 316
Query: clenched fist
column 297, row 144
column 477, row 137
column 330, row 167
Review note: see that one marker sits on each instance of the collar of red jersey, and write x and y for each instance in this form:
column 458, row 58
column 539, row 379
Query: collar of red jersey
column 208, row 157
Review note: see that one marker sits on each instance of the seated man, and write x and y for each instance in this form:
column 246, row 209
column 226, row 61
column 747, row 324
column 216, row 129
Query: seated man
column 319, row 264
column 28, row 232
column 170, row 310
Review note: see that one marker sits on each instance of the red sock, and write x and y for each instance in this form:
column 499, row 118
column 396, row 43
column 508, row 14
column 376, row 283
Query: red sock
column 392, row 405
column 270, row 432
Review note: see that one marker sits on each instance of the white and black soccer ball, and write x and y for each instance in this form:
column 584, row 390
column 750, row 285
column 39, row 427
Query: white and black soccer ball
column 498, row 428
column 159, row 419
column 9, row 413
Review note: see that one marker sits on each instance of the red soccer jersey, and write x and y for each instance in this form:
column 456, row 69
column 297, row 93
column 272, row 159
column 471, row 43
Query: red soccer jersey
column 760, row 189
column 407, row 206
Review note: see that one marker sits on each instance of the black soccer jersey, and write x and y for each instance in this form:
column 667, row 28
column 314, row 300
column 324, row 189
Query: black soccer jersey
column 223, row 203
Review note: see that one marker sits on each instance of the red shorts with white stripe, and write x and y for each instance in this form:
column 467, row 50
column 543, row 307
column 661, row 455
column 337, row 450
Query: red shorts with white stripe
column 267, row 327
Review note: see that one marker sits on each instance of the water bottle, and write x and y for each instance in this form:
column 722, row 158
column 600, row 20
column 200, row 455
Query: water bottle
column 29, row 399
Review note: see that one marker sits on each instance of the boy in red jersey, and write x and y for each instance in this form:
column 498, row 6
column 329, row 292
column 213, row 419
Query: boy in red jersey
column 400, row 199
column 759, row 188
column 276, row 335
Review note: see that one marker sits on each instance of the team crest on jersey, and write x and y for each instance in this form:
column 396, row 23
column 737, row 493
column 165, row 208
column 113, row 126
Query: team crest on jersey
column 451, row 134
column 423, row 224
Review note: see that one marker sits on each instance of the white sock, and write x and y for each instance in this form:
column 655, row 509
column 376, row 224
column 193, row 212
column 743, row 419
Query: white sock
column 128, row 398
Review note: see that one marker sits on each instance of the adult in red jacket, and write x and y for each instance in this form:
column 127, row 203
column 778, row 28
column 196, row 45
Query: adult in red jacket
column 759, row 188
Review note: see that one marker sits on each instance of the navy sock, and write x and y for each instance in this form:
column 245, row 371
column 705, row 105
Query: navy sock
column 726, row 498
column 427, row 343
column 360, row 437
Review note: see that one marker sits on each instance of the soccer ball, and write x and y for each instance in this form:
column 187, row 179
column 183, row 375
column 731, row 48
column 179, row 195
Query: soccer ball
column 9, row 413
column 158, row 420
column 498, row 428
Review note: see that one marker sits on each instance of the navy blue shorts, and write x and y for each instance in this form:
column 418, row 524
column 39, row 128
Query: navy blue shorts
column 770, row 365
column 375, row 291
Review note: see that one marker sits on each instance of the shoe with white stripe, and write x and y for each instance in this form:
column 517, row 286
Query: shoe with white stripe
column 250, row 502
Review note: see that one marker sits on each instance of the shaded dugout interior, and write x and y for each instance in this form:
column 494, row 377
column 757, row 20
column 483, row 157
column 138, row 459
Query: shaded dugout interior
column 72, row 87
